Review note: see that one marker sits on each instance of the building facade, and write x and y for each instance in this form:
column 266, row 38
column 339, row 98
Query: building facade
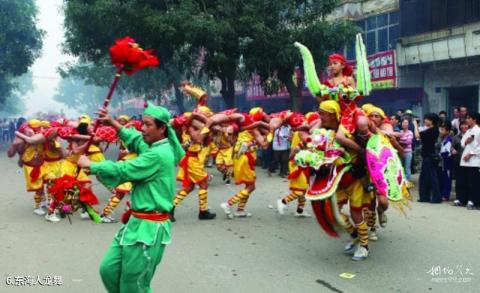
column 379, row 21
column 439, row 50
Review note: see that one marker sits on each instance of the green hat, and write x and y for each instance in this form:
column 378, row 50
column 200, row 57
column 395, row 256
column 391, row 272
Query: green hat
column 157, row 112
column 163, row 115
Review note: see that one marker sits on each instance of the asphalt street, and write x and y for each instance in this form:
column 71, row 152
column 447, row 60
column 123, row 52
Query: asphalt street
column 434, row 248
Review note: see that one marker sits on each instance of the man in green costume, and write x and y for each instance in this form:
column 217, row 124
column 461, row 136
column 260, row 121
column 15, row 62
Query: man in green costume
column 138, row 247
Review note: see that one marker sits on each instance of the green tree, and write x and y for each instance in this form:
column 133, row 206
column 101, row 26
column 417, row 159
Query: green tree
column 20, row 42
column 74, row 93
column 270, row 51
column 220, row 32
column 151, row 23
column 21, row 86
column 150, row 82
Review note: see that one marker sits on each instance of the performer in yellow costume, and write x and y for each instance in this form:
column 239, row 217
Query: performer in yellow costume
column 76, row 147
column 192, row 169
column 44, row 137
column 95, row 152
column 245, row 157
column 224, row 159
column 353, row 193
column 299, row 176
column 52, row 168
column 32, row 160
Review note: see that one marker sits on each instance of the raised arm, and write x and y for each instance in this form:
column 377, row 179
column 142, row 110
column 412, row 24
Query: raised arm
column 416, row 131
column 224, row 118
column 111, row 174
column 260, row 139
column 34, row 139
column 132, row 139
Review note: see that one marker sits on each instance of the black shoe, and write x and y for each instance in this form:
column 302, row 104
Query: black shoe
column 227, row 181
column 422, row 200
column 224, row 177
column 206, row 215
column 435, row 201
column 172, row 215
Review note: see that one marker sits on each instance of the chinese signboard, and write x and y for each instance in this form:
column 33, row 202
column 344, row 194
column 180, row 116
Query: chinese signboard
column 382, row 69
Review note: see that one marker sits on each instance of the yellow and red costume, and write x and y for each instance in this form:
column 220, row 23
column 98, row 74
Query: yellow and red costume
column 245, row 158
column 192, row 166
column 225, row 152
column 69, row 167
column 191, row 172
column 298, row 178
column 244, row 163
column 52, row 165
column 32, row 160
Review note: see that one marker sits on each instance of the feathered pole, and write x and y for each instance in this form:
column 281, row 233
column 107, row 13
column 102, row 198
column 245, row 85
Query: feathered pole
column 364, row 83
column 314, row 85
column 128, row 57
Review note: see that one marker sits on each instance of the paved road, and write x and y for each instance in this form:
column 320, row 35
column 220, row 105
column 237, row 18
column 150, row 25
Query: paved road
column 264, row 253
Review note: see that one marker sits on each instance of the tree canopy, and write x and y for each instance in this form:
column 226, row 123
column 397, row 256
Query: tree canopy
column 213, row 35
column 20, row 43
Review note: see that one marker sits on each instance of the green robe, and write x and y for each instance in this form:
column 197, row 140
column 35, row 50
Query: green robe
column 138, row 246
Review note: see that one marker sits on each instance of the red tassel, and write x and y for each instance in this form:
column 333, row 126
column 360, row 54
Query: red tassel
column 319, row 211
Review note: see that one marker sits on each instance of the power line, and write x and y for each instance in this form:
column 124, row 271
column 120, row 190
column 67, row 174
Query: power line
column 46, row 77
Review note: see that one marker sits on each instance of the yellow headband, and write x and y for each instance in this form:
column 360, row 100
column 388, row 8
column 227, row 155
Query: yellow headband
column 255, row 110
column 124, row 117
column 330, row 106
column 85, row 119
column 204, row 110
column 34, row 123
column 370, row 109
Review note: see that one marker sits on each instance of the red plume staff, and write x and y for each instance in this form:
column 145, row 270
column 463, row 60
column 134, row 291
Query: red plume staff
column 128, row 57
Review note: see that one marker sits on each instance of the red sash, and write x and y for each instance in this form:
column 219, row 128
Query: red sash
column 251, row 160
column 150, row 216
column 35, row 173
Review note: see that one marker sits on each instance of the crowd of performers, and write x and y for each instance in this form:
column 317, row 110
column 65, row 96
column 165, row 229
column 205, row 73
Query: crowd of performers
column 339, row 130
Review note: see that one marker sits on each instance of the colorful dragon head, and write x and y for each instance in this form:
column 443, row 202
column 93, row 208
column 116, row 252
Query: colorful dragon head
column 328, row 161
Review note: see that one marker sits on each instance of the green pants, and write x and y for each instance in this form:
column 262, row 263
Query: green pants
column 130, row 268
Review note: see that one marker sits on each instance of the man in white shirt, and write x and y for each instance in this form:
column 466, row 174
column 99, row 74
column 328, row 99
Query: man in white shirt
column 470, row 161
column 280, row 146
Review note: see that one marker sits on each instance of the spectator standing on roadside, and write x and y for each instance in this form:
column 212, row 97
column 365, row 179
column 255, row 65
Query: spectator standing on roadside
column 11, row 129
column 406, row 141
column 280, row 146
column 458, row 171
column 5, row 131
column 445, row 166
column 471, row 160
column 395, row 120
column 443, row 116
column 456, row 120
column 429, row 187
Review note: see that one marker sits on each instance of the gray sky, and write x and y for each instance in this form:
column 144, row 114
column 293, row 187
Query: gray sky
column 45, row 76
